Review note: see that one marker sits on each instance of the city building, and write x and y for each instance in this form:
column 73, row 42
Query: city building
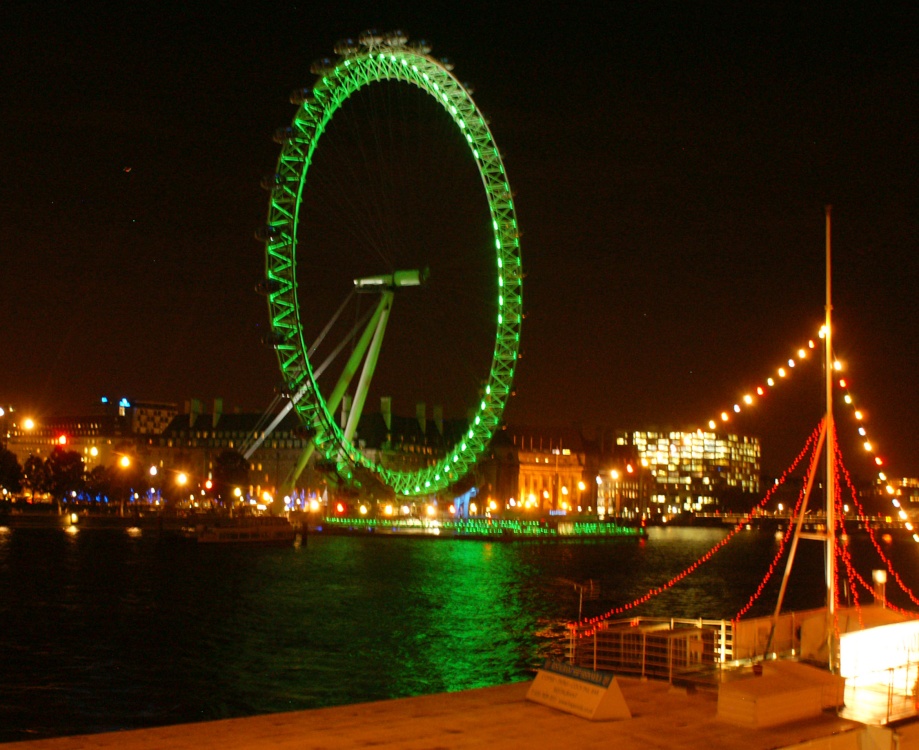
column 693, row 471
column 637, row 474
column 106, row 431
column 543, row 469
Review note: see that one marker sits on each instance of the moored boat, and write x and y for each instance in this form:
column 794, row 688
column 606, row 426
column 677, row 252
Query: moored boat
column 263, row 530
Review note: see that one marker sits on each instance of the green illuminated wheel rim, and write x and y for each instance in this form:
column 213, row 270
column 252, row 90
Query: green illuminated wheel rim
column 372, row 60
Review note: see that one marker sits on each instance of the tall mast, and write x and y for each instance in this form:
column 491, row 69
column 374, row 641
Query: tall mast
column 830, row 455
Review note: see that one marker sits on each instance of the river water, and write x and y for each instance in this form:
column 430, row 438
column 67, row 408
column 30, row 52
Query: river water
column 104, row 630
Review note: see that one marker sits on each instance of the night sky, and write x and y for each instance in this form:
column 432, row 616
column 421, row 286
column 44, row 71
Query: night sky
column 671, row 163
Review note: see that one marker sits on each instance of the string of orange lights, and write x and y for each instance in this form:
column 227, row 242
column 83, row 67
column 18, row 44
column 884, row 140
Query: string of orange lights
column 784, row 372
column 749, row 399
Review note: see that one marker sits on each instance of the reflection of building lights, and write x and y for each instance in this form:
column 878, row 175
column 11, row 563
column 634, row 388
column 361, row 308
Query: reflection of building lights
column 429, row 509
column 363, row 510
column 153, row 471
column 473, row 508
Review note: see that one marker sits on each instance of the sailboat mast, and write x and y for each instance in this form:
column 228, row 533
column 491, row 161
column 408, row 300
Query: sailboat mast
column 830, row 443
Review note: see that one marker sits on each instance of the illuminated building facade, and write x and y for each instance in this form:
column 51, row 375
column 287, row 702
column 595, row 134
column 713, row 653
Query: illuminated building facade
column 692, row 471
column 544, row 470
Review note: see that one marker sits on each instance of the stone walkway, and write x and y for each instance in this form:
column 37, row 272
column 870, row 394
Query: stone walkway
column 497, row 717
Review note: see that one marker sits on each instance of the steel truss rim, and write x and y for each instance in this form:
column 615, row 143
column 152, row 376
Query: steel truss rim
column 352, row 72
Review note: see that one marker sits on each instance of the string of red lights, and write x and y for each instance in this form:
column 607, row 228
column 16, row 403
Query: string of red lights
column 748, row 400
column 843, row 553
column 871, row 535
column 587, row 622
column 773, row 566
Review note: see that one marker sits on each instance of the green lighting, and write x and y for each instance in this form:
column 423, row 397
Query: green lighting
column 360, row 69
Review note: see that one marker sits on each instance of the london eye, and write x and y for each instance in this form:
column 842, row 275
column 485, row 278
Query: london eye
column 392, row 259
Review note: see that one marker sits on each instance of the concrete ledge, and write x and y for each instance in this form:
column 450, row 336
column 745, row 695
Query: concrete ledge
column 496, row 717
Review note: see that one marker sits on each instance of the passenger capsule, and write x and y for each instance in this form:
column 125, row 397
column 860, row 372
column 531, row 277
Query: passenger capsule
column 275, row 338
column 283, row 135
column 421, row 46
column 397, row 38
column 470, row 89
column 274, row 181
column 298, row 96
column 447, row 63
column 345, row 47
column 323, row 66
column 268, row 286
column 269, row 233
column 371, row 38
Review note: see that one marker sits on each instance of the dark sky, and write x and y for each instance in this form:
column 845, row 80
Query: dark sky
column 671, row 163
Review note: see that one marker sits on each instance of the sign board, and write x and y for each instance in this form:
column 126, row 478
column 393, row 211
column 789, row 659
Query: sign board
column 579, row 691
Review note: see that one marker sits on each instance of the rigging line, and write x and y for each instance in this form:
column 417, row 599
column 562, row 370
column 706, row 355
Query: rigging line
column 796, row 521
column 843, row 554
column 870, row 530
column 775, row 561
column 708, row 555
column 885, row 602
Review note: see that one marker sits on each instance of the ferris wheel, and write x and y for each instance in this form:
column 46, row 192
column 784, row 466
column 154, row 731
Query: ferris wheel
column 319, row 376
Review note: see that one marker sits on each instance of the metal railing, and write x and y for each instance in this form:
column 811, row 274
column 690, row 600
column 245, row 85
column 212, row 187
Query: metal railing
column 661, row 648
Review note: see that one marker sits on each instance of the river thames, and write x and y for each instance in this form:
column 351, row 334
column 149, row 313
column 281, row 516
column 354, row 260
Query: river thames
column 103, row 630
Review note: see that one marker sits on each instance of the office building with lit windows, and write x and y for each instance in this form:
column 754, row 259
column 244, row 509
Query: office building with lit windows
column 691, row 471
